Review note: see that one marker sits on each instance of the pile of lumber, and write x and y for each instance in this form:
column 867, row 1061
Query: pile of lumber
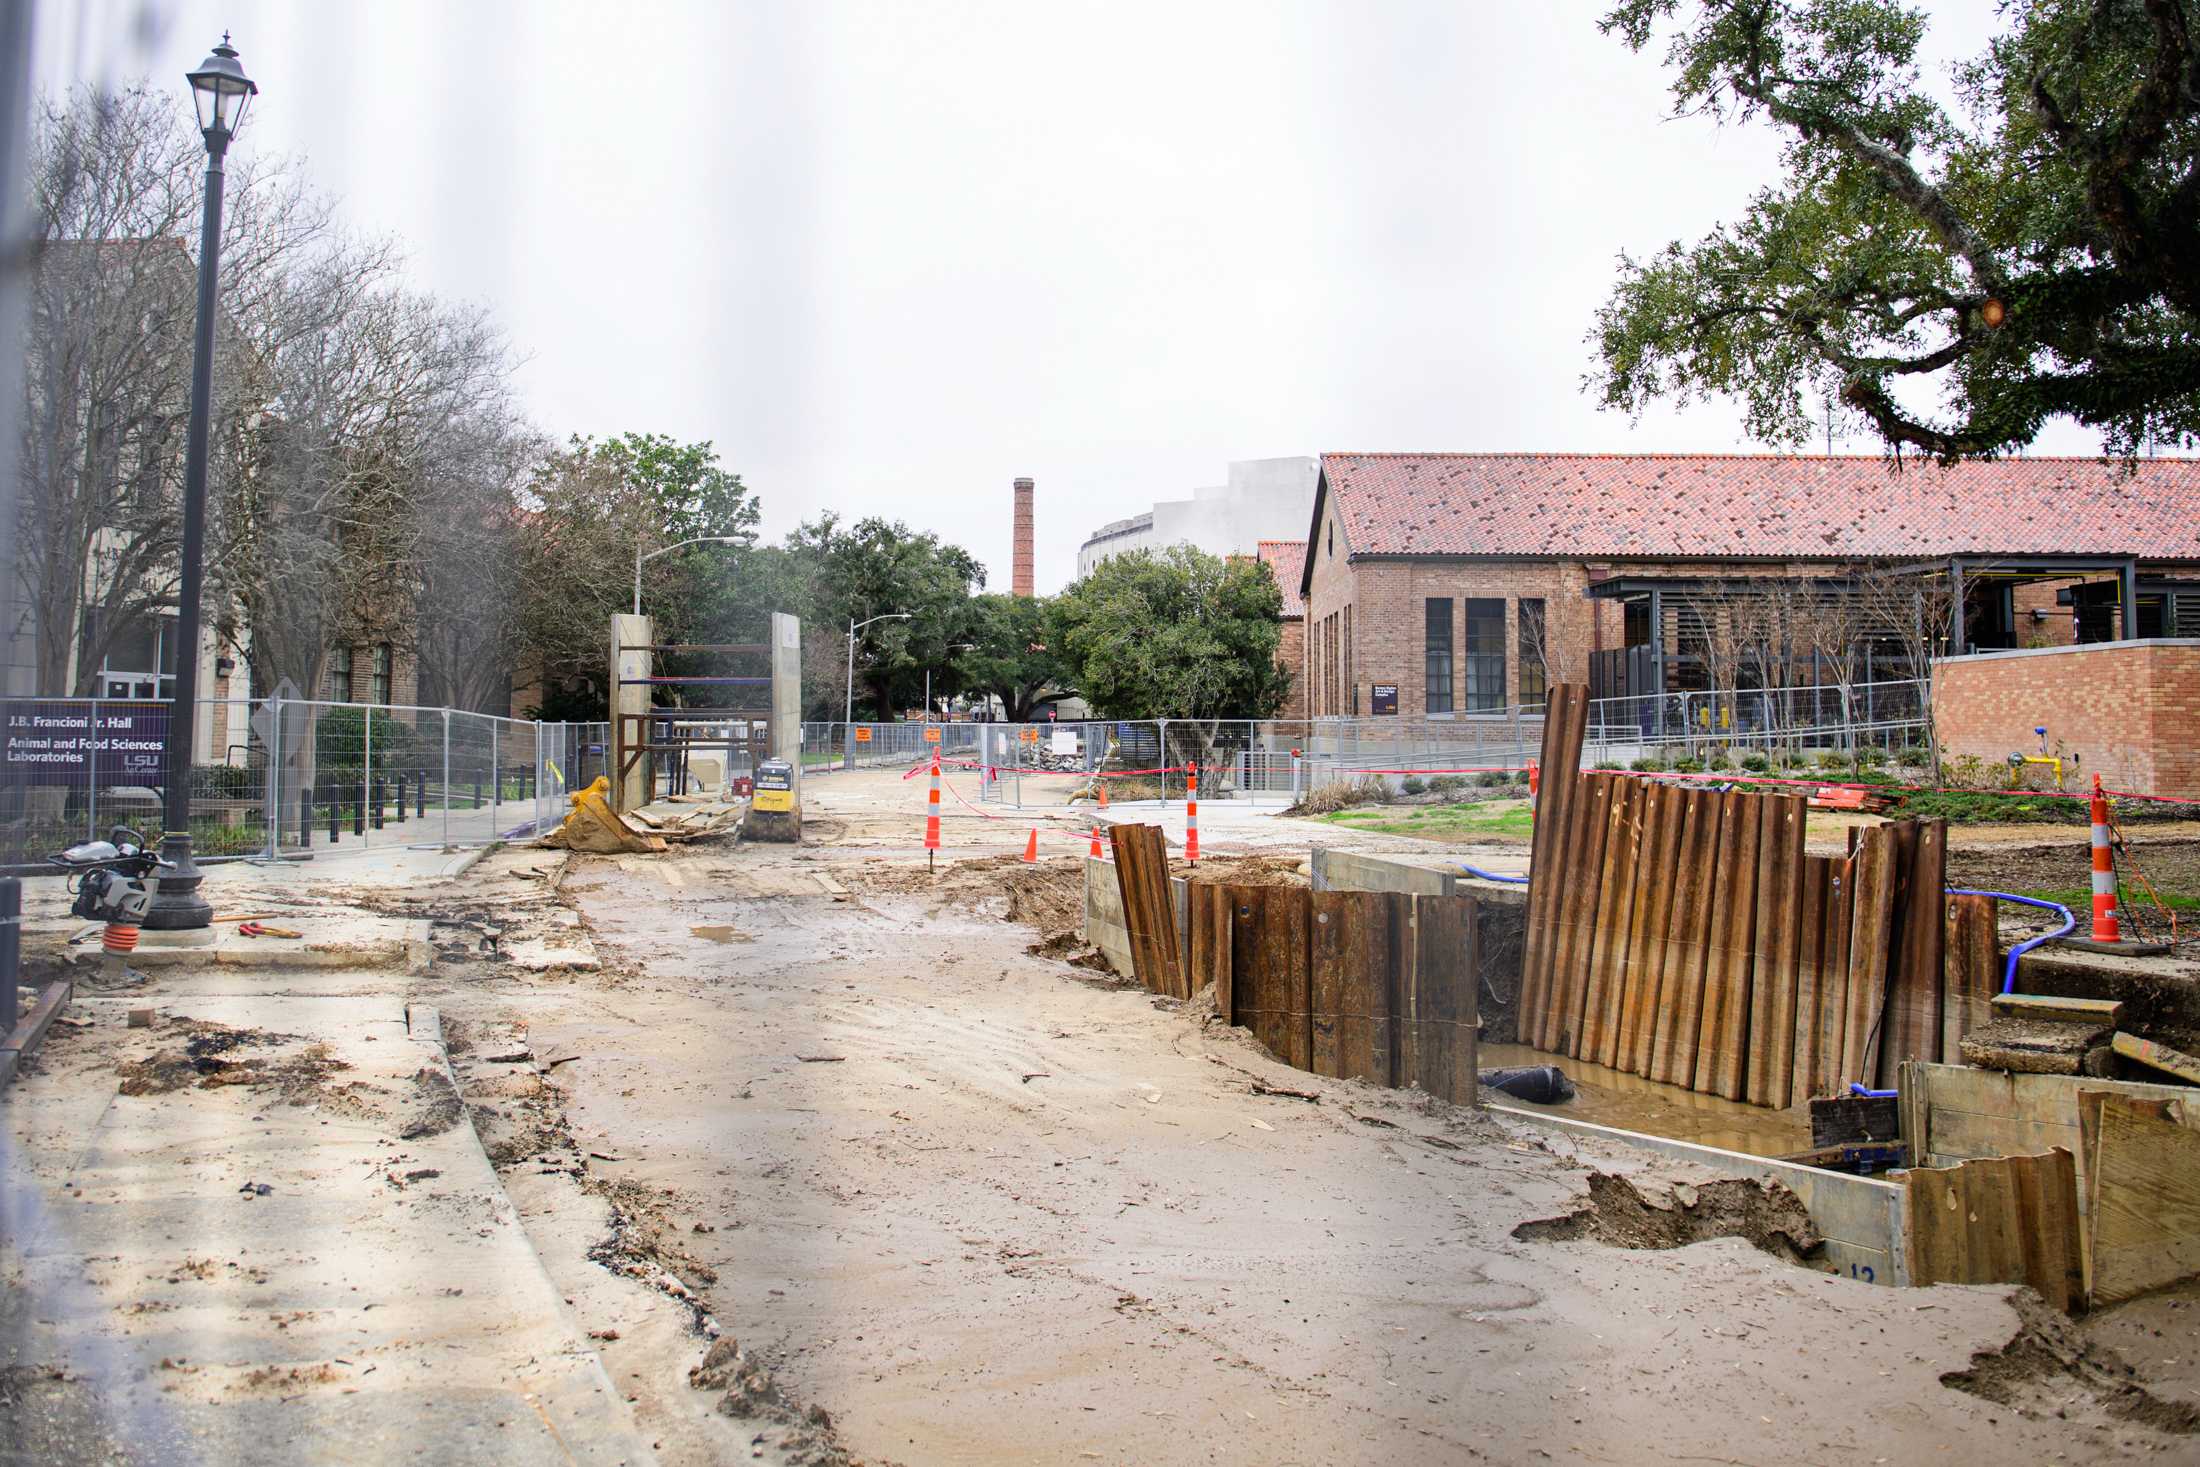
column 1684, row 935
column 1853, row 797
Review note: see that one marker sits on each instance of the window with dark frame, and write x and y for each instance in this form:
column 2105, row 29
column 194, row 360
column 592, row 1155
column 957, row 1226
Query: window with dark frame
column 1534, row 674
column 1485, row 655
column 1436, row 654
column 339, row 675
column 381, row 685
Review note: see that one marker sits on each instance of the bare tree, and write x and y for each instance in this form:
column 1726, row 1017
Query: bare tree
column 116, row 194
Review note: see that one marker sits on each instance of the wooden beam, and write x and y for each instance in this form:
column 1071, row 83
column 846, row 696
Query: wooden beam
column 2156, row 1056
column 1681, row 979
column 2102, row 1013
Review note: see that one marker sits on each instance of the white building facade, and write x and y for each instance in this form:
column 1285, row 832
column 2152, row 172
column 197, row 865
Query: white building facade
column 1262, row 499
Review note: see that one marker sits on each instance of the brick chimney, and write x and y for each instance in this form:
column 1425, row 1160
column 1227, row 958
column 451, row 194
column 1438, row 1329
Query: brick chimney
column 1020, row 578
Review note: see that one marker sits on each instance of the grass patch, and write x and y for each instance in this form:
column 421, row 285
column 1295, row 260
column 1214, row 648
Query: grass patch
column 2080, row 901
column 1989, row 807
column 1502, row 818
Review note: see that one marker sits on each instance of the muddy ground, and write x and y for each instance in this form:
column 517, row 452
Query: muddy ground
column 834, row 1167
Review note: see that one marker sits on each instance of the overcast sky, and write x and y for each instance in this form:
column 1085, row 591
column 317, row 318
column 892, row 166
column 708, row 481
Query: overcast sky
column 890, row 256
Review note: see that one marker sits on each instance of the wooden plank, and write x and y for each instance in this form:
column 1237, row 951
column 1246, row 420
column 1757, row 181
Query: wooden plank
column 1771, row 1057
column 1565, row 716
column 2098, row 1013
column 1615, row 907
column 1810, row 960
column 1355, row 953
column 1911, row 1027
column 1971, row 971
column 1653, row 924
column 1719, row 1053
column 1589, row 820
column 1219, row 911
column 1833, row 980
column 1681, row 977
column 2054, row 1259
column 1446, row 966
column 2157, row 1056
column 2146, row 1199
column 1872, row 910
column 1850, row 1120
column 1149, row 912
column 1200, row 919
column 1269, row 965
column 1998, row 1220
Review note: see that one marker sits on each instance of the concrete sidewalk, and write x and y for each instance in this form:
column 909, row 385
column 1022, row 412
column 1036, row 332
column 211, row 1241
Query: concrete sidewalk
column 263, row 1230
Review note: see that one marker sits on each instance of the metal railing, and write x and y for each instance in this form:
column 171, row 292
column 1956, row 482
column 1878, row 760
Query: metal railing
column 288, row 776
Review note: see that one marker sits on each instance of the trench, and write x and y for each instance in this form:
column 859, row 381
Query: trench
column 1608, row 1097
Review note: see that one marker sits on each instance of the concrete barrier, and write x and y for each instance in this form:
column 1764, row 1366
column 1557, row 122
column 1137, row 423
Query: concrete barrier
column 1349, row 871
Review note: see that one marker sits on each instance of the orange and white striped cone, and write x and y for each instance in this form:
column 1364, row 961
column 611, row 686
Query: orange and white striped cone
column 1191, row 814
column 1097, row 854
column 1031, row 847
column 1103, row 794
column 932, row 809
column 2106, row 926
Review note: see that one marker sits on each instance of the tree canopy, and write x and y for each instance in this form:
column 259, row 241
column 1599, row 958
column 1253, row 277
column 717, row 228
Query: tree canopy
column 1174, row 634
column 1954, row 276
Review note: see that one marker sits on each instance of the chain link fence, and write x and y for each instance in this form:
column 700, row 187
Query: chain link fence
column 290, row 776
column 1274, row 761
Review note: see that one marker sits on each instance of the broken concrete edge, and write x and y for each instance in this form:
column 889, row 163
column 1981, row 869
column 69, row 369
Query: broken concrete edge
column 1863, row 1219
column 424, row 1022
column 409, row 947
column 31, row 1029
column 468, row 860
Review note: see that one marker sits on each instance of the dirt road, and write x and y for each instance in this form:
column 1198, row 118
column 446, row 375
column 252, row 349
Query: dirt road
column 976, row 1205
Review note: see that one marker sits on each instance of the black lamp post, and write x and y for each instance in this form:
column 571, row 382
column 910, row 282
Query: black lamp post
column 220, row 90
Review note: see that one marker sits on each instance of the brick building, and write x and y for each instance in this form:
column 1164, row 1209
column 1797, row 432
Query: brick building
column 2123, row 710
column 1286, row 561
column 1437, row 585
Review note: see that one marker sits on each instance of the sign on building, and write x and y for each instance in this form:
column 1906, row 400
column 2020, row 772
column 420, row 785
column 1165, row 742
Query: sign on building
column 1384, row 699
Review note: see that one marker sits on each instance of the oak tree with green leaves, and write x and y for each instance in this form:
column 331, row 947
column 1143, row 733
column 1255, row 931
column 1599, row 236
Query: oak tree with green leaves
column 1176, row 633
column 1955, row 275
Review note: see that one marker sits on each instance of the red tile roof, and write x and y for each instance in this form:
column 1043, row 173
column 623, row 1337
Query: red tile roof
column 1717, row 506
column 1286, row 561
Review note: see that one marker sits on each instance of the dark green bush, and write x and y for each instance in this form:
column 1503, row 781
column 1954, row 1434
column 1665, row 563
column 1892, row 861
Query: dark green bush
column 1648, row 764
column 1756, row 763
column 1413, row 784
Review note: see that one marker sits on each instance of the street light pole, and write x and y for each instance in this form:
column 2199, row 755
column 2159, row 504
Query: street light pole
column 666, row 550
column 220, row 90
column 848, row 709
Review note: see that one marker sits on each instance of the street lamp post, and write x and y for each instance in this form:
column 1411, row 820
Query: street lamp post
column 848, row 710
column 221, row 91
column 952, row 647
column 666, row 550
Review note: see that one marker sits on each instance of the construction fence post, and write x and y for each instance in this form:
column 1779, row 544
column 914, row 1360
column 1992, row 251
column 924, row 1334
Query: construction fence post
column 446, row 777
column 366, row 773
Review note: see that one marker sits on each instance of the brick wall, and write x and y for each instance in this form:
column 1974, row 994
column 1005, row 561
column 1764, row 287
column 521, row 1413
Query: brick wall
column 1291, row 657
column 2125, row 710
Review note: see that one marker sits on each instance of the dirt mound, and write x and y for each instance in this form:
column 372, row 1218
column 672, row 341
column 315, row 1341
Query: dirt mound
column 2047, row 1356
column 752, row 1393
column 1048, row 895
column 1618, row 1214
column 201, row 1060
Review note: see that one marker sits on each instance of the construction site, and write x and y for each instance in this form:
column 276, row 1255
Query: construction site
column 788, row 1105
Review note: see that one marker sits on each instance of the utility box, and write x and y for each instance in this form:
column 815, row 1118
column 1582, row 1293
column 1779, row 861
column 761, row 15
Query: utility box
column 775, row 806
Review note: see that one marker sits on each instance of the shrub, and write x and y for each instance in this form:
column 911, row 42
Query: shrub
column 1870, row 758
column 1648, row 764
column 1756, row 763
column 1717, row 759
column 225, row 782
column 1444, row 784
column 1413, row 784
column 1607, row 764
column 1495, row 777
column 1688, row 766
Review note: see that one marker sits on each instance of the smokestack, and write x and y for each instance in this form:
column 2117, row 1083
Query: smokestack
column 1020, row 578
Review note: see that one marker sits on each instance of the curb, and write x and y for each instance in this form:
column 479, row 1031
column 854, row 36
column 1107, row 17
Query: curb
column 584, row 1429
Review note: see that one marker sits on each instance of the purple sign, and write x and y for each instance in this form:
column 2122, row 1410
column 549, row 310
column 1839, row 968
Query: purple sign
column 55, row 741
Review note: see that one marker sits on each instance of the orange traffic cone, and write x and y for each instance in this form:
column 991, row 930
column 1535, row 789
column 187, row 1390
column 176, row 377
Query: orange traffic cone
column 1096, row 843
column 1191, row 815
column 1031, row 847
column 1103, row 794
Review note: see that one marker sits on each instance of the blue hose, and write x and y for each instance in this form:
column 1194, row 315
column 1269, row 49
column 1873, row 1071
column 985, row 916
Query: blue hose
column 1492, row 875
column 2009, row 973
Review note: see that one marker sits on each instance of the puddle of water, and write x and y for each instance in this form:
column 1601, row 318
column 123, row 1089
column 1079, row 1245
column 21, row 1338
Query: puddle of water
column 1614, row 1098
column 720, row 933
